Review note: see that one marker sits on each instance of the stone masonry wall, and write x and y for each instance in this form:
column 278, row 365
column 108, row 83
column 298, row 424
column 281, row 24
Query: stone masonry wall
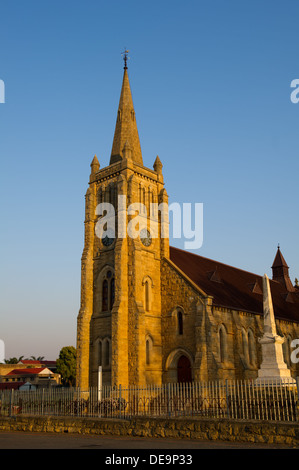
column 184, row 428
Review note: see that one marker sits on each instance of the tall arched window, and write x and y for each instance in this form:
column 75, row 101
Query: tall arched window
column 105, row 296
column 147, row 284
column 244, row 343
column 107, row 352
column 147, row 296
column 286, row 347
column 180, row 322
column 289, row 350
column 222, row 343
column 112, row 292
column 108, row 291
column 147, row 352
column 251, row 347
column 100, row 356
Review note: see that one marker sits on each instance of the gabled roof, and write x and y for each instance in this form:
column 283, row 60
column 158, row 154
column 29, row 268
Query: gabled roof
column 31, row 371
column 234, row 288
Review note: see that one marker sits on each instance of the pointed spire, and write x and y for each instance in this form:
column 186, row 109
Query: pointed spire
column 158, row 165
column 279, row 260
column 126, row 127
column 95, row 166
column 280, row 271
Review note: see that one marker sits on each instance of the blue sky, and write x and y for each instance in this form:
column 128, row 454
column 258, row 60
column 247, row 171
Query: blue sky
column 211, row 89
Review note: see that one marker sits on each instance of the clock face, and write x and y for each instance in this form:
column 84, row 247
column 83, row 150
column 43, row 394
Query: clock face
column 145, row 237
column 107, row 241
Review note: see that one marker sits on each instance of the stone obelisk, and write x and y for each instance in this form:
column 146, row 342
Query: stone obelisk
column 273, row 367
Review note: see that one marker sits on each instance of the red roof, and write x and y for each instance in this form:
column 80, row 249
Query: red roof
column 29, row 371
column 234, row 288
column 29, row 361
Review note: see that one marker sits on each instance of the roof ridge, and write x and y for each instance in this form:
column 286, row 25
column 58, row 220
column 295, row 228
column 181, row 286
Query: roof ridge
column 218, row 262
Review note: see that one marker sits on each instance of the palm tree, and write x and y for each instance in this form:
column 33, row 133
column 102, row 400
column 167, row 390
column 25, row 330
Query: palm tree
column 13, row 360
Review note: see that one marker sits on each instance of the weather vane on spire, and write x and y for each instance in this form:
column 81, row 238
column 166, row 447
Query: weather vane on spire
column 125, row 57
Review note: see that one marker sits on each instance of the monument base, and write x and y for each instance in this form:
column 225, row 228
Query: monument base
column 275, row 381
column 273, row 370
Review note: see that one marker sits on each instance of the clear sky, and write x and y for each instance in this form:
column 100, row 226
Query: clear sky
column 211, row 89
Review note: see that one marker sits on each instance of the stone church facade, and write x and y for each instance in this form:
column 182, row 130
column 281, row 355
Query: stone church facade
column 153, row 314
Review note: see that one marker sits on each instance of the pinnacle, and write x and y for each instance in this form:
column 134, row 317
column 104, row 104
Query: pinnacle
column 158, row 165
column 95, row 160
column 95, row 165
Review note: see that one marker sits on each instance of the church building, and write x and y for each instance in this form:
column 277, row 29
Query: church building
column 151, row 313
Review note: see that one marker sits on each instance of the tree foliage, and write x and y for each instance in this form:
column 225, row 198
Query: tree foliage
column 13, row 360
column 66, row 365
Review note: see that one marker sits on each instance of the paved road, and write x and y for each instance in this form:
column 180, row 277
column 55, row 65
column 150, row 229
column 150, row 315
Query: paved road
column 24, row 440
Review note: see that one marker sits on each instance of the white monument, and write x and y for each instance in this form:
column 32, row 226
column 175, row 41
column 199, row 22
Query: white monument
column 273, row 368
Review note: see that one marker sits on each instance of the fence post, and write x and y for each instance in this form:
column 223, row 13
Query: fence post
column 297, row 383
column 43, row 390
column 119, row 398
column 100, row 383
column 168, row 399
column 227, row 398
column 10, row 402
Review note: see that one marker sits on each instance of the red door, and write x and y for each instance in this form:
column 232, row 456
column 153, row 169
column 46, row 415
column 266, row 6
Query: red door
column 184, row 370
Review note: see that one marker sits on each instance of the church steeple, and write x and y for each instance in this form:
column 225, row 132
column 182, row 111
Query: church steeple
column 280, row 271
column 126, row 127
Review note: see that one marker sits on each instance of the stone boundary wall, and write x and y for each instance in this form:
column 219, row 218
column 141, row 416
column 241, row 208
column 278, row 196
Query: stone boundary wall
column 183, row 428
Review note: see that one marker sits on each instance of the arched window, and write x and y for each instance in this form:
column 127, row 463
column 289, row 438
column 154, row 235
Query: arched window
column 180, row 322
column 147, row 352
column 147, row 293
column 244, row 343
column 108, row 290
column 289, row 341
column 147, row 296
column 107, row 352
column 112, row 292
column 105, row 296
column 148, row 349
column 286, row 347
column 111, row 193
column 100, row 357
column 251, row 347
column 222, row 343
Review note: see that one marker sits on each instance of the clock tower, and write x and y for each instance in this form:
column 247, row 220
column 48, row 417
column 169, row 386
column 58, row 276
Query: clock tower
column 119, row 322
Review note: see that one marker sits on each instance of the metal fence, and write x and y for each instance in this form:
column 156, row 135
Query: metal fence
column 219, row 399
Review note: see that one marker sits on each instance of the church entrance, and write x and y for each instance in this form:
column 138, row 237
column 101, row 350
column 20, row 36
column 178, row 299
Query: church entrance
column 184, row 370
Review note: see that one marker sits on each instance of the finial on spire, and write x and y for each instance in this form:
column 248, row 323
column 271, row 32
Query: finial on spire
column 125, row 57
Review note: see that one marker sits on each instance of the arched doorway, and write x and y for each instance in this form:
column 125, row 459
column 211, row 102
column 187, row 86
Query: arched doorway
column 184, row 369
